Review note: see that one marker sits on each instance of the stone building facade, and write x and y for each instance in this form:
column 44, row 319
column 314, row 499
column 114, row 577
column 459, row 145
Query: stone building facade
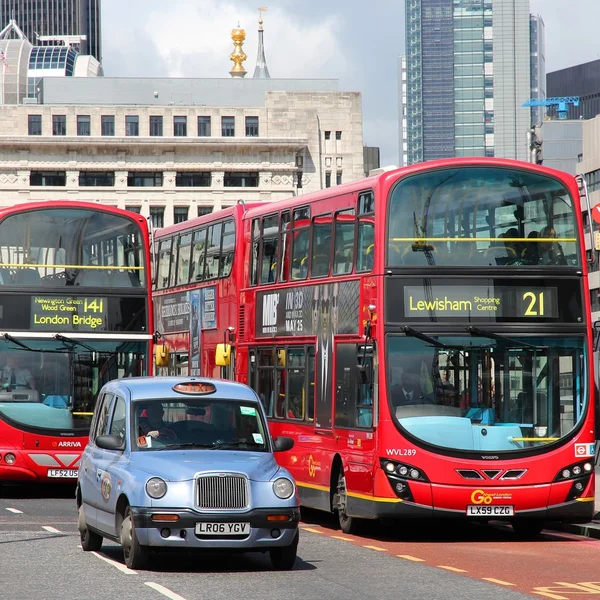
column 175, row 159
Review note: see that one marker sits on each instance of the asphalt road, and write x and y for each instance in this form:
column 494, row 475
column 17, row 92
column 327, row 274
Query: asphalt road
column 40, row 558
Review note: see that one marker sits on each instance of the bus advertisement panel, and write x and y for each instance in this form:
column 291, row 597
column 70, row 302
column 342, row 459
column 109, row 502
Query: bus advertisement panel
column 74, row 314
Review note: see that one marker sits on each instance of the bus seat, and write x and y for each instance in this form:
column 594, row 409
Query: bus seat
column 5, row 276
column 26, row 276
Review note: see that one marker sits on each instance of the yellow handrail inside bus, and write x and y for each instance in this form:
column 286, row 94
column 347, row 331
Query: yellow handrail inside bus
column 83, row 414
column 532, row 439
column 481, row 239
column 36, row 266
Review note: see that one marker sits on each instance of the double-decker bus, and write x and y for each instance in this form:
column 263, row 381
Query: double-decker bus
column 75, row 312
column 196, row 288
column 424, row 336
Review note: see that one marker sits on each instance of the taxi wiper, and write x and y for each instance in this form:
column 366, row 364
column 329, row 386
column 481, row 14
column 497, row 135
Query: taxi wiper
column 415, row 333
column 218, row 445
column 186, row 445
column 64, row 338
column 476, row 332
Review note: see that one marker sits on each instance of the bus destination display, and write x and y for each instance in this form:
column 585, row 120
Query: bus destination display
column 69, row 313
column 480, row 301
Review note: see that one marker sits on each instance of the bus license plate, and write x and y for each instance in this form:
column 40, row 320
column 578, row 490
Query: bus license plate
column 67, row 473
column 222, row 528
column 477, row 510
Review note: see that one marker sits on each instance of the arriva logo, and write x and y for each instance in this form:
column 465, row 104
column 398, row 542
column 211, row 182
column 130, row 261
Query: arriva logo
column 66, row 444
column 480, row 497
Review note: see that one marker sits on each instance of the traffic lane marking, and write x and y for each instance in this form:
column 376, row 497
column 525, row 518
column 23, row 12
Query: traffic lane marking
column 518, row 564
column 16, row 511
column 453, row 569
column 51, row 529
column 115, row 564
column 161, row 589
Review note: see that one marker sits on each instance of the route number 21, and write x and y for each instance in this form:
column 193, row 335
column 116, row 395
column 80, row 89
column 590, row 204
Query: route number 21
column 536, row 304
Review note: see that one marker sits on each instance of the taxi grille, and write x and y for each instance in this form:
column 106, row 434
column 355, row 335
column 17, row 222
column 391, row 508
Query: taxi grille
column 225, row 492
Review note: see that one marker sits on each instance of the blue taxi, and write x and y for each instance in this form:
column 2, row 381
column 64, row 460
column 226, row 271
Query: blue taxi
column 185, row 462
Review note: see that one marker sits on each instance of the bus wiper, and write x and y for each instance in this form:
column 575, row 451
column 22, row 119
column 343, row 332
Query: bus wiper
column 415, row 333
column 476, row 332
column 10, row 338
column 64, row 338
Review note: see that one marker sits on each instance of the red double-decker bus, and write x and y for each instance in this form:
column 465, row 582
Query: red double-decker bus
column 75, row 312
column 424, row 336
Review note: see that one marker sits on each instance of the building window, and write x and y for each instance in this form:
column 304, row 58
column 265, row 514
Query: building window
column 204, row 210
column 156, row 126
column 59, row 124
column 48, row 178
column 240, row 180
column 191, row 179
column 96, row 178
column 328, row 135
column 180, row 214
column 132, row 125
column 338, row 135
column 227, row 126
column 251, row 126
column 145, row 179
column 595, row 300
column 83, row 125
column 180, row 126
column 338, row 178
column 34, row 124
column 204, row 126
column 328, row 179
column 157, row 216
column 134, row 209
column 108, row 125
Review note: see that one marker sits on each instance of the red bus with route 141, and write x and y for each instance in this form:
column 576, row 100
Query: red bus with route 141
column 75, row 312
column 424, row 336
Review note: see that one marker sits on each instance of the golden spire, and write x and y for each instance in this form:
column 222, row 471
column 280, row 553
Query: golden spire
column 261, row 10
column 238, row 35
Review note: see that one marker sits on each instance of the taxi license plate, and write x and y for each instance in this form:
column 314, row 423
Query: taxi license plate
column 222, row 528
column 478, row 510
column 67, row 473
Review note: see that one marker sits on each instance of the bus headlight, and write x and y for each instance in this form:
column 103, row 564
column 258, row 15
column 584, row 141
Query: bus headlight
column 283, row 488
column 10, row 458
column 156, row 488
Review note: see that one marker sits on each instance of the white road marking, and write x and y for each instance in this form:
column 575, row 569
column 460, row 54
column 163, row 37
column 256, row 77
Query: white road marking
column 15, row 510
column 164, row 591
column 115, row 564
column 50, row 529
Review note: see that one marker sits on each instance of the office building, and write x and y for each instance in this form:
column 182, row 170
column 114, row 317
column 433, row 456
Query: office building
column 580, row 80
column 43, row 19
column 469, row 68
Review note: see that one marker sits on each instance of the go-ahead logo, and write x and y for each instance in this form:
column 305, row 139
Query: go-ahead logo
column 482, row 497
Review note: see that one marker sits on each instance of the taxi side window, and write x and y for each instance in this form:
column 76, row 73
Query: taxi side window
column 117, row 426
column 103, row 415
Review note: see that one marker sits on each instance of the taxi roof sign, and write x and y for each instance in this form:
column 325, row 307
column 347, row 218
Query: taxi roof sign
column 195, row 388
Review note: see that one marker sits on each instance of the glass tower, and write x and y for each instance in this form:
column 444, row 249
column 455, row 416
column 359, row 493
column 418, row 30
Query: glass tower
column 469, row 66
column 56, row 18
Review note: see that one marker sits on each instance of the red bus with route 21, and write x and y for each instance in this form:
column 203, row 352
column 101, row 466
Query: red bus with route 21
column 75, row 312
column 424, row 336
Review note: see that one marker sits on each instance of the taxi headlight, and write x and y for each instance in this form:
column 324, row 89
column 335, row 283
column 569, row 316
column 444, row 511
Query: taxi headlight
column 283, row 488
column 156, row 488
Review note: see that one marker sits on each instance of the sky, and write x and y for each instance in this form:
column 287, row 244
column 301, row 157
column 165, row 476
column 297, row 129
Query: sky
column 353, row 41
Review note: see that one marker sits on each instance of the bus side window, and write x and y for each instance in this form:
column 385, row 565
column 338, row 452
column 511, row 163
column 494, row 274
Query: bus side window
column 199, row 250
column 227, row 249
column 343, row 253
column 366, row 246
column 174, row 261
column 266, row 372
column 183, row 260
column 254, row 255
column 164, row 263
column 213, row 250
column 270, row 238
column 300, row 254
column 321, row 246
column 310, row 384
column 285, row 248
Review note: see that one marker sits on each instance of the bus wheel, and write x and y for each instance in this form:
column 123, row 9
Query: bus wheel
column 527, row 528
column 340, row 499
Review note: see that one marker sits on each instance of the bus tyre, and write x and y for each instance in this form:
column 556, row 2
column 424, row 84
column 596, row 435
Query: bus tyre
column 90, row 541
column 347, row 524
column 136, row 555
column 528, row 528
column 284, row 557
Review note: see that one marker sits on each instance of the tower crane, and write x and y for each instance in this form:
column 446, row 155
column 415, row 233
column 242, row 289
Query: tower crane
column 562, row 104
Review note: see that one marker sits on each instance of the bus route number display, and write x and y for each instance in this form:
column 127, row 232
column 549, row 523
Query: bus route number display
column 68, row 313
column 480, row 301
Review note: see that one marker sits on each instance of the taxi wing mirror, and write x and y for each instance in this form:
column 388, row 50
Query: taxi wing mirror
column 283, row 443
column 223, row 355
column 110, row 442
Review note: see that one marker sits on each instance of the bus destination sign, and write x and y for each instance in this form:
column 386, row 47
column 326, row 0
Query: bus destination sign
column 68, row 313
column 488, row 302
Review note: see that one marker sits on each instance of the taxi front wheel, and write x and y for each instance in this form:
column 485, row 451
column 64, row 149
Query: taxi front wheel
column 284, row 557
column 90, row 541
column 136, row 555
